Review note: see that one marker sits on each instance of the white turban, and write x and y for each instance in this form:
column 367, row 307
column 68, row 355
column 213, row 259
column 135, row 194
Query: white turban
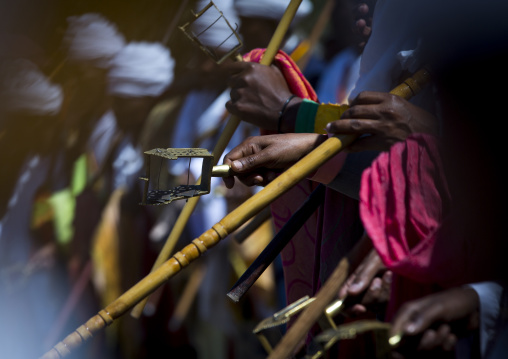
column 271, row 9
column 25, row 89
column 141, row 69
column 213, row 33
column 92, row 38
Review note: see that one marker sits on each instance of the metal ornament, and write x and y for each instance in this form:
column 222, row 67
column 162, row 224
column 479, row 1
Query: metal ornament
column 264, row 330
column 165, row 196
column 215, row 50
column 324, row 341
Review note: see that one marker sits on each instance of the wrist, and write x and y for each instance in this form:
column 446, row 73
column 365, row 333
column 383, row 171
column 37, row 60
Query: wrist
column 287, row 119
column 305, row 117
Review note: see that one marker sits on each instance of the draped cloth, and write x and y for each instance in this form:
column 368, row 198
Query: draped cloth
column 404, row 198
column 316, row 249
column 404, row 202
column 297, row 83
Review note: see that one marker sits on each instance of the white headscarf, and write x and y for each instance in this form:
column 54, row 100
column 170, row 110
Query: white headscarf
column 141, row 69
column 271, row 9
column 91, row 37
column 213, row 33
column 25, row 89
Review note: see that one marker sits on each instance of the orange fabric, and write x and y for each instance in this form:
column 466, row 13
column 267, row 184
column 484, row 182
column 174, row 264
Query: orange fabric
column 297, row 83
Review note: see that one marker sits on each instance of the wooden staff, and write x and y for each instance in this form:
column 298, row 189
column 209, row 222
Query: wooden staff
column 173, row 23
column 220, row 230
column 226, row 135
column 198, row 246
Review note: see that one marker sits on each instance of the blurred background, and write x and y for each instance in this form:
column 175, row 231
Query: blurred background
column 86, row 87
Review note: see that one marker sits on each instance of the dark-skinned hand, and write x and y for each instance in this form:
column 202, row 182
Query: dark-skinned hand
column 434, row 322
column 258, row 93
column 384, row 119
column 362, row 27
column 368, row 287
column 259, row 159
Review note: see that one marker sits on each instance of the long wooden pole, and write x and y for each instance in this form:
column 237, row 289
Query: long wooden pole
column 220, row 230
column 198, row 246
column 226, row 135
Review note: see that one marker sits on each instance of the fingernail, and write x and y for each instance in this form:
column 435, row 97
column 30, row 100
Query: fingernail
column 237, row 165
column 376, row 284
column 410, row 328
column 355, row 286
column 388, row 277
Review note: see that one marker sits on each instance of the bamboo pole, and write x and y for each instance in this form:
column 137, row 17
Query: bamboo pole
column 220, row 230
column 226, row 135
column 189, row 293
column 172, row 25
column 198, row 246
column 293, row 338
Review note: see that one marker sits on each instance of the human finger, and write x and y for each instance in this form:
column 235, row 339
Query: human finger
column 239, row 66
column 409, row 320
column 354, row 126
column 370, row 97
column 258, row 178
column 450, row 342
column 252, row 179
column 373, row 292
column 377, row 295
column 360, row 10
column 253, row 161
column 386, row 287
column 364, row 274
column 434, row 338
column 229, row 181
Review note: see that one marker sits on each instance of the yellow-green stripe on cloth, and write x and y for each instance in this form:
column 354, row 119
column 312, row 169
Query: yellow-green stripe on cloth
column 313, row 117
column 63, row 202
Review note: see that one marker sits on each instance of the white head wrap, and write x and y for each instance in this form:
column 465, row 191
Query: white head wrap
column 92, row 38
column 25, row 89
column 271, row 9
column 141, row 69
column 213, row 33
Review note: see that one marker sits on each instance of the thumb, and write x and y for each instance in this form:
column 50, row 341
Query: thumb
column 248, row 163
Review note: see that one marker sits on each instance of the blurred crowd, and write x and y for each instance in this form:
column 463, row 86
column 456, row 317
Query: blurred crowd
column 416, row 201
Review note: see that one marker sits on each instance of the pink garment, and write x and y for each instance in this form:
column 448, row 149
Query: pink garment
column 406, row 209
column 404, row 200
